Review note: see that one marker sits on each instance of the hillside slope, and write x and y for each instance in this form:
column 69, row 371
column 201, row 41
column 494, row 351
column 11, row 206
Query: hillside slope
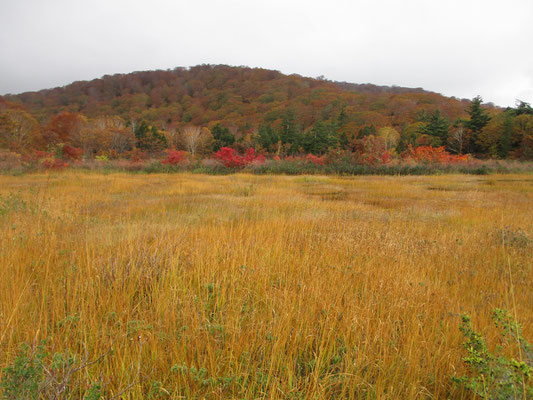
column 238, row 97
column 254, row 107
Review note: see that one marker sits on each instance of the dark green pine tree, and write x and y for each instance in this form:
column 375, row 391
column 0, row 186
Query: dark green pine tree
column 158, row 141
column 367, row 130
column 522, row 108
column 437, row 127
column 342, row 119
column 266, row 137
column 318, row 139
column 149, row 138
column 334, row 138
column 140, row 131
column 290, row 131
column 478, row 120
column 222, row 136
column 343, row 140
column 341, row 137
column 504, row 142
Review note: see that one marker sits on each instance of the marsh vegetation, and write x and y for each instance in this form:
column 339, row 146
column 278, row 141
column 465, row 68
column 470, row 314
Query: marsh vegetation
column 250, row 286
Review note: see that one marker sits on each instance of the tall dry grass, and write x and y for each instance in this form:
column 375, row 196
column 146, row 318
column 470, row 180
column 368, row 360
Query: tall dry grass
column 252, row 287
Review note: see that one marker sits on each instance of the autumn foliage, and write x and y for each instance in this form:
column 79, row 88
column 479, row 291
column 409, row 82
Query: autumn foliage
column 316, row 159
column 175, row 157
column 71, row 153
column 433, row 155
column 372, row 150
column 45, row 160
column 229, row 157
column 242, row 116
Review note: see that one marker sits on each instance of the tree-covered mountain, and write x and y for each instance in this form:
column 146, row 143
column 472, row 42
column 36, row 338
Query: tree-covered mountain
column 238, row 97
column 267, row 109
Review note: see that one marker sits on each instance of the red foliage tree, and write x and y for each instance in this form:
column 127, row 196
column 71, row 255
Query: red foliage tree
column 63, row 127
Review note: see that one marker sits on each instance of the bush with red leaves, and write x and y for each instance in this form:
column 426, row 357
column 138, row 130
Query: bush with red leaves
column 433, row 155
column 43, row 159
column 71, row 153
column 251, row 157
column 36, row 156
column 175, row 157
column 316, row 159
column 229, row 157
column 54, row 163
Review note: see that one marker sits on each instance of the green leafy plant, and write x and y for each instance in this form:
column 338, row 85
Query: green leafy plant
column 23, row 379
column 37, row 374
column 496, row 376
column 94, row 393
column 12, row 203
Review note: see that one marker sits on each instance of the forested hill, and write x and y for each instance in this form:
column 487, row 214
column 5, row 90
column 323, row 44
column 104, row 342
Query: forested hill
column 253, row 107
column 240, row 98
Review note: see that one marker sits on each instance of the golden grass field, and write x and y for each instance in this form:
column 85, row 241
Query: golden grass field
column 248, row 287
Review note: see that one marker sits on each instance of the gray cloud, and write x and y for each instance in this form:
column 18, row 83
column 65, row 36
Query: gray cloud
column 458, row 48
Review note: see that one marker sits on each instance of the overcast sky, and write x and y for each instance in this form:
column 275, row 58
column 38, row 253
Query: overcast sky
column 458, row 48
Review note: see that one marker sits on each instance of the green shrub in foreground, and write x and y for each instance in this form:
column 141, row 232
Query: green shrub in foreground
column 495, row 376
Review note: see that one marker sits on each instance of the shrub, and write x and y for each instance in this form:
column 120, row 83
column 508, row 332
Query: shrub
column 251, row 157
column 129, row 165
column 43, row 159
column 54, row 163
column 71, row 153
column 497, row 376
column 211, row 163
column 136, row 155
column 229, row 157
column 175, row 157
column 101, row 158
column 23, row 378
column 9, row 160
column 37, row 374
column 159, row 167
column 36, row 156
column 315, row 159
column 433, row 155
column 289, row 166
